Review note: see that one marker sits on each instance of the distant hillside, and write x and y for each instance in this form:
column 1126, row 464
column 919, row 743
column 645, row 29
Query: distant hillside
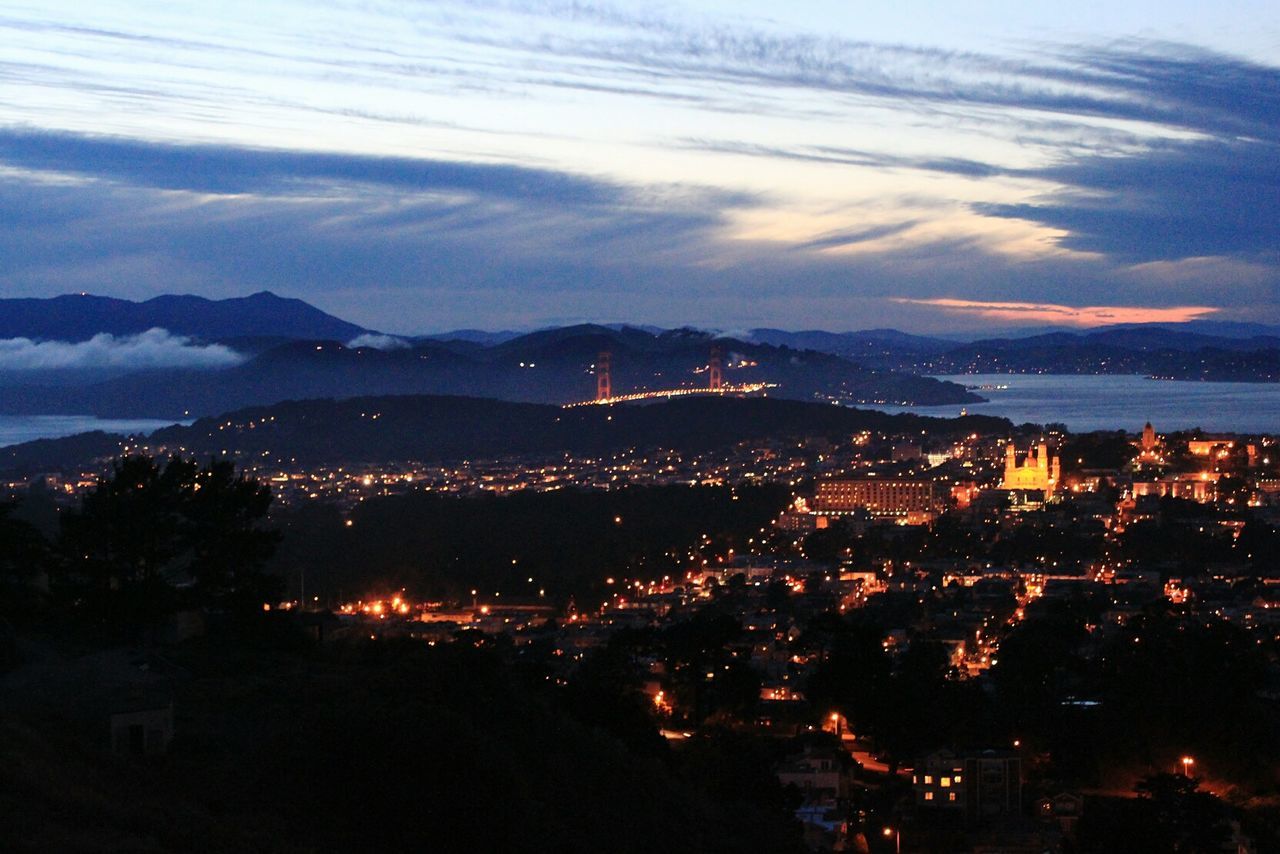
column 1158, row 353
column 78, row 318
column 871, row 347
column 431, row 428
column 1203, row 351
column 550, row 366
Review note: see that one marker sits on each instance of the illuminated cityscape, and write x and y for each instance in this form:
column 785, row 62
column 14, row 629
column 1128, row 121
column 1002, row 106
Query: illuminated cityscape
column 597, row 427
column 944, row 541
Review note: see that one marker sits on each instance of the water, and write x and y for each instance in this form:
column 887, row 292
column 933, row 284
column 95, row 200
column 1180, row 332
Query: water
column 1115, row 402
column 25, row 428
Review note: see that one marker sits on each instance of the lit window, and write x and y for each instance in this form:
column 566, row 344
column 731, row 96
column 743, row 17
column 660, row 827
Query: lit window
column 928, row 779
column 957, row 778
column 946, row 782
column 953, row 796
column 928, row 796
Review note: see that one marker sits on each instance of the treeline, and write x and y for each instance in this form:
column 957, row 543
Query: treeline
column 563, row 544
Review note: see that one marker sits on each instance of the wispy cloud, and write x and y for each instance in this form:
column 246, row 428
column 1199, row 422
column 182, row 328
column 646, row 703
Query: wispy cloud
column 844, row 239
column 1049, row 313
column 155, row 348
column 226, row 169
column 379, row 342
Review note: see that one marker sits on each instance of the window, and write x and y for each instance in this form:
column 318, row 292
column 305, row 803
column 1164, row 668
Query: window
column 928, row 779
column 945, row 782
column 953, row 796
column 957, row 778
column 928, row 796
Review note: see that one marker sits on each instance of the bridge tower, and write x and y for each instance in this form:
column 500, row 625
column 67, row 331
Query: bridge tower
column 716, row 369
column 604, row 383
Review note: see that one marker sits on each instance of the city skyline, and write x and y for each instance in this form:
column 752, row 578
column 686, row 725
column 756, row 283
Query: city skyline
column 433, row 166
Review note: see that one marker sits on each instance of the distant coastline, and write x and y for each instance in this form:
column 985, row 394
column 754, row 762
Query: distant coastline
column 1087, row 402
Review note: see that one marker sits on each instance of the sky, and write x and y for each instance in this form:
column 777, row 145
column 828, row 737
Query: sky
column 423, row 166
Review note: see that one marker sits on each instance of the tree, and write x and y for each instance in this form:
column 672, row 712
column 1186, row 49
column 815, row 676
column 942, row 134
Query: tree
column 23, row 553
column 151, row 537
column 228, row 545
column 1190, row 819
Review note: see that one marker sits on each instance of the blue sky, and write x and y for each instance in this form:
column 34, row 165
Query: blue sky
column 418, row 166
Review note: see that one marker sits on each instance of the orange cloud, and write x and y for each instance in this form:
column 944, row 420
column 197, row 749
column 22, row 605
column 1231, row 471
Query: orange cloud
column 1043, row 312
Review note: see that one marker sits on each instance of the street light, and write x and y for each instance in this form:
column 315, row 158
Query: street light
column 897, row 838
column 1187, row 762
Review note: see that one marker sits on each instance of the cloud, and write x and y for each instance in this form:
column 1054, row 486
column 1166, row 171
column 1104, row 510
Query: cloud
column 155, row 348
column 1140, row 155
column 408, row 261
column 1176, row 200
column 852, row 238
column 853, row 157
column 1049, row 313
column 227, row 169
column 379, row 342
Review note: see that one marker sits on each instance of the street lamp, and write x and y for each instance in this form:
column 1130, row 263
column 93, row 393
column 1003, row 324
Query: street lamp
column 897, row 838
column 1187, row 762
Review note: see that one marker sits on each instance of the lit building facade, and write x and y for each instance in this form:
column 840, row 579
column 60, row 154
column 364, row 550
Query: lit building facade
column 1039, row 471
column 1198, row 486
column 910, row 501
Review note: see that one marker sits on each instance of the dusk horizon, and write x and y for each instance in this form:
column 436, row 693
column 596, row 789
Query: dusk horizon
column 691, row 426
column 440, row 166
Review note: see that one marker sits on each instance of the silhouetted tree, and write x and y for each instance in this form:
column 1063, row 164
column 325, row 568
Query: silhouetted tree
column 23, row 555
column 1190, row 820
column 151, row 537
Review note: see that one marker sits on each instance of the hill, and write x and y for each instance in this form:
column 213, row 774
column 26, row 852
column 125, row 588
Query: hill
column 1205, row 351
column 373, row 746
column 433, row 428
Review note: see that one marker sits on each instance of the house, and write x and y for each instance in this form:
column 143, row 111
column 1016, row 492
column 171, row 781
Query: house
column 1063, row 809
column 141, row 721
column 975, row 784
column 823, row 775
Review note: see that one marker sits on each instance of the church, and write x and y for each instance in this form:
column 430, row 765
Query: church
column 1038, row 471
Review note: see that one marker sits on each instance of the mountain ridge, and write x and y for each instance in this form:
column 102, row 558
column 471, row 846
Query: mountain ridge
column 79, row 317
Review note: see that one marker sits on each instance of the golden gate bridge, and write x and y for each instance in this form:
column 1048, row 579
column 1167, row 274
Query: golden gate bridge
column 715, row 386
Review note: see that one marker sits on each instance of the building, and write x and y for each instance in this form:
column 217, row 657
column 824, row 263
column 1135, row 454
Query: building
column 1149, row 446
column 141, row 722
column 1039, row 471
column 1063, row 809
column 913, row 502
column 822, row 776
column 976, row 785
column 1193, row 486
column 1214, row 447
